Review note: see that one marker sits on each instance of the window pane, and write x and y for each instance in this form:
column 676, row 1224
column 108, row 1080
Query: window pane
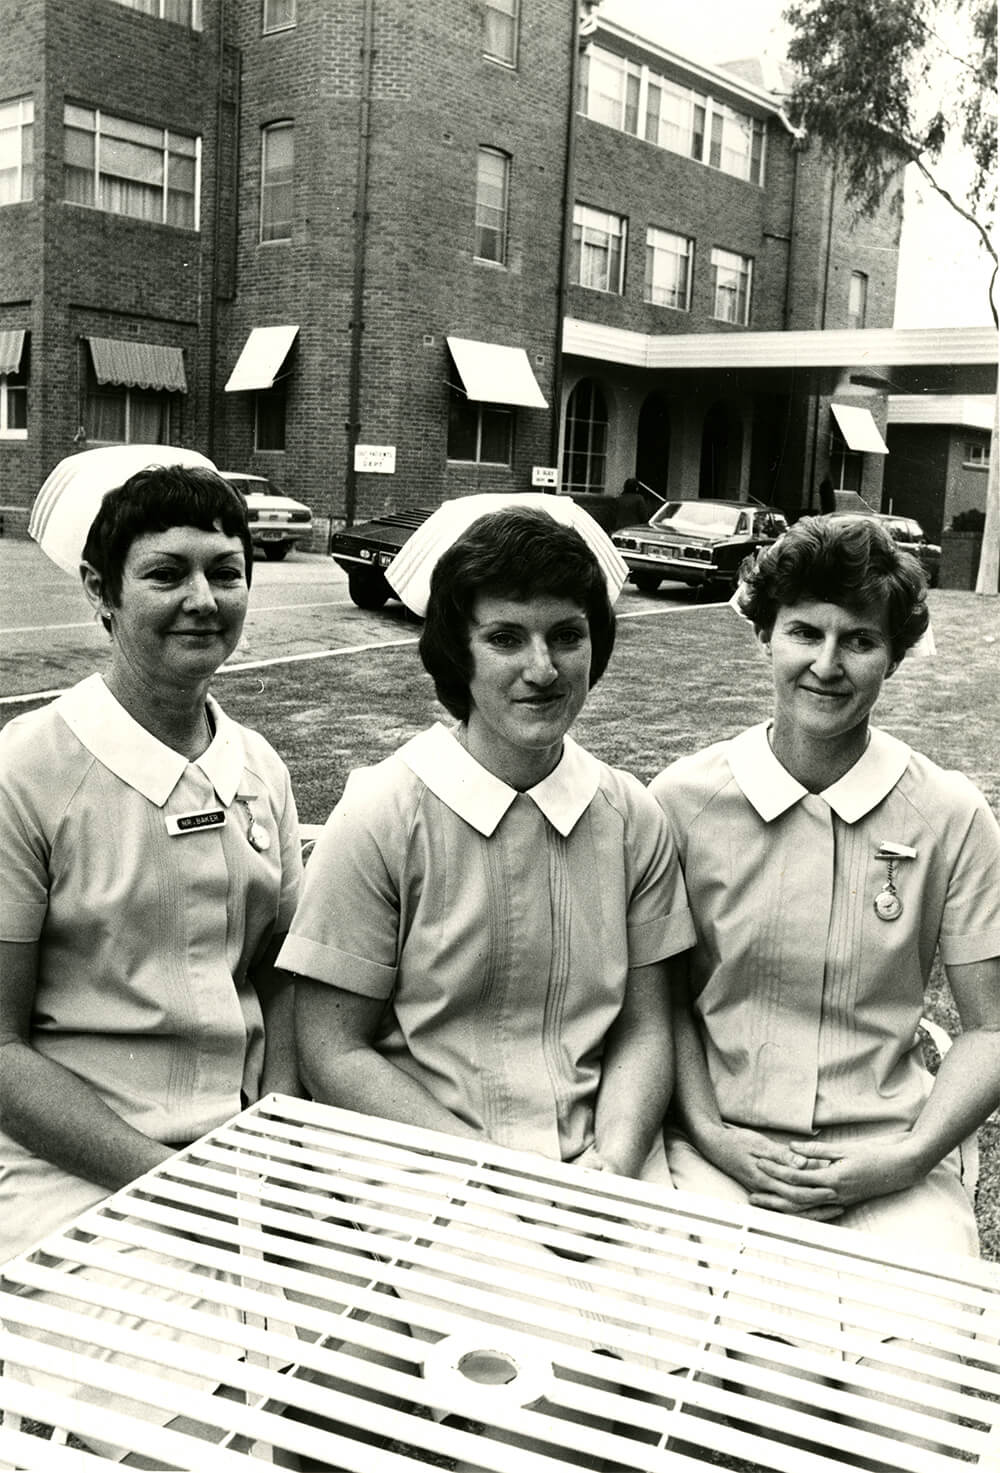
column 271, row 420
column 278, row 14
column 491, row 206
column 500, row 30
column 668, row 259
column 463, row 427
column 148, row 419
column 496, row 435
column 277, row 164
column 106, row 417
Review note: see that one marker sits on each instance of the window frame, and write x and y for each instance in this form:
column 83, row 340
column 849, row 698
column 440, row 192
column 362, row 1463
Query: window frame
column 843, row 460
column 674, row 116
column 476, row 410
column 585, row 438
column 19, row 384
column 130, row 396
column 857, row 300
column 742, row 262
column 275, row 27
column 270, row 401
column 976, row 455
column 267, row 189
column 143, row 7
column 652, row 249
column 484, row 153
column 24, row 129
column 506, row 13
column 103, row 180
column 590, row 217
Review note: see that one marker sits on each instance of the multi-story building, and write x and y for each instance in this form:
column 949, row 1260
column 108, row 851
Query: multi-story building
column 389, row 254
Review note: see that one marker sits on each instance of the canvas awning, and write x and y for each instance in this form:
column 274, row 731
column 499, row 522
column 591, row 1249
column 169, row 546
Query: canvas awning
column 138, row 365
column 259, row 364
column 493, row 374
column 11, row 348
column 859, row 429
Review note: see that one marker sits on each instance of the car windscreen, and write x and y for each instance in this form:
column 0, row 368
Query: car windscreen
column 706, row 518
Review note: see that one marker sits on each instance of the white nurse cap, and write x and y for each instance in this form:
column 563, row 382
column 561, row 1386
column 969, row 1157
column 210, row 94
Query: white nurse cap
column 70, row 497
column 409, row 573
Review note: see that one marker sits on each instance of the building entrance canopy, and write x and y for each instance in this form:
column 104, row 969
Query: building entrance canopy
column 952, row 360
column 493, row 374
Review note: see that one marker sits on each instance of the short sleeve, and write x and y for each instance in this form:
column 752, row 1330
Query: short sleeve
column 970, row 926
column 346, row 928
column 659, row 920
column 291, row 856
column 24, row 846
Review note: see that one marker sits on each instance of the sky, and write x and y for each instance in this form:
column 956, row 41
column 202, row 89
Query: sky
column 943, row 272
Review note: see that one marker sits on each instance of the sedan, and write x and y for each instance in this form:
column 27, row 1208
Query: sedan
column 701, row 543
column 277, row 522
column 908, row 534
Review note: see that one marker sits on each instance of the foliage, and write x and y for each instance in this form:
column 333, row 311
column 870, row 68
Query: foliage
column 883, row 83
column 972, row 520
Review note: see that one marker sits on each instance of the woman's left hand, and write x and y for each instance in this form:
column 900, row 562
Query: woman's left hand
column 854, row 1170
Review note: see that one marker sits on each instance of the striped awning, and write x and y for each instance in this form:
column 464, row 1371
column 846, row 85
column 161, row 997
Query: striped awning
column 11, row 348
column 138, row 365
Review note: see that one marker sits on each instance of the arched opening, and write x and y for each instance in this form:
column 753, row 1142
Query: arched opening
column 585, row 439
column 721, row 450
column 652, row 450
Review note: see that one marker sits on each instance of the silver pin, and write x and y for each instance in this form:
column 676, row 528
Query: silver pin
column 257, row 836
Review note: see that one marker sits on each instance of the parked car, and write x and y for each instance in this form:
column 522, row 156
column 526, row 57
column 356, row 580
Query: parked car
column 277, row 523
column 701, row 543
column 365, row 551
column 909, row 534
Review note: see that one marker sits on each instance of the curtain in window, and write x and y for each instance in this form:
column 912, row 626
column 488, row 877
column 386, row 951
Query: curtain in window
column 105, row 417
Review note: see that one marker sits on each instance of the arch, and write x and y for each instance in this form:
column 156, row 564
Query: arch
column 585, row 438
column 721, row 452
column 652, row 445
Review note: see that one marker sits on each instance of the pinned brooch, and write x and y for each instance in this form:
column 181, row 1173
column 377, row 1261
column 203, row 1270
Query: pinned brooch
column 887, row 904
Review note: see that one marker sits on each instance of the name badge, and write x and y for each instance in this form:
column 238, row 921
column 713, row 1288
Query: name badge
column 194, row 822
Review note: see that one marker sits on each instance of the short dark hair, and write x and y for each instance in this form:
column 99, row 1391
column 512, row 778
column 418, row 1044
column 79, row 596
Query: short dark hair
column 154, row 500
column 851, row 561
column 517, row 552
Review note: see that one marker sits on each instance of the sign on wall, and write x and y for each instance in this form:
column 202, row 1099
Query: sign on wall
column 545, row 475
column 377, row 460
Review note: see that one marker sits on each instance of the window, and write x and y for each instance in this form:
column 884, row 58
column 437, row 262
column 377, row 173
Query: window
column 14, row 399
column 277, row 160
column 598, row 250
column 669, row 260
column 845, row 464
column 977, row 455
column 279, row 15
column 184, row 12
column 857, row 299
column 585, row 446
column 501, row 22
column 731, row 280
column 479, row 432
column 130, row 168
column 492, row 178
column 638, row 100
column 16, row 150
column 270, row 406
column 121, row 416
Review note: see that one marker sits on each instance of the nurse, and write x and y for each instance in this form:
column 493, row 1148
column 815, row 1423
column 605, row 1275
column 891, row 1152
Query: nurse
column 488, row 922
column 150, row 865
column 826, row 862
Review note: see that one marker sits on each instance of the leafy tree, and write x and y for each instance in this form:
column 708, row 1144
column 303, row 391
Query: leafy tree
column 884, row 83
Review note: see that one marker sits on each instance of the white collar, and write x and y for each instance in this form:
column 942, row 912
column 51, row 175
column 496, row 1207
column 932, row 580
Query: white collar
column 439, row 760
column 140, row 759
column 772, row 790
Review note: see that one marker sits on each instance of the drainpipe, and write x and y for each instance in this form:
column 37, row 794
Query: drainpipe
column 353, row 425
column 213, row 294
column 822, row 323
column 566, row 229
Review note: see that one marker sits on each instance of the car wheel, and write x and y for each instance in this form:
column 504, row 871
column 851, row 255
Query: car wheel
column 368, row 588
column 276, row 552
column 646, row 582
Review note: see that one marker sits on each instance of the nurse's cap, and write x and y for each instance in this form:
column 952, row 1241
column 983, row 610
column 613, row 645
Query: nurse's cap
column 409, row 573
column 70, row 497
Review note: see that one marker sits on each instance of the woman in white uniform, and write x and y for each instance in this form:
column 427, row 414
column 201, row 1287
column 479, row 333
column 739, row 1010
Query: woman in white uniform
column 150, row 865
column 826, row 863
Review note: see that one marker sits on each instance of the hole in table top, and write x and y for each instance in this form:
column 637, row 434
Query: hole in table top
column 488, row 1367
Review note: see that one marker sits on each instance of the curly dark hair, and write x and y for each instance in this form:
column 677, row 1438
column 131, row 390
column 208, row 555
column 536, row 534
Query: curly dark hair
column 851, row 561
column 517, row 552
column 153, row 500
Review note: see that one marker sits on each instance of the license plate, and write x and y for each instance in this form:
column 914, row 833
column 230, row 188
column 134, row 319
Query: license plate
column 661, row 549
column 270, row 534
column 385, row 558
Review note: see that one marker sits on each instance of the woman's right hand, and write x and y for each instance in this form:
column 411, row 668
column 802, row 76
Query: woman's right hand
column 739, row 1151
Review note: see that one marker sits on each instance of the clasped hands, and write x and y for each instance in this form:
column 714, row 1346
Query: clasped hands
column 813, row 1179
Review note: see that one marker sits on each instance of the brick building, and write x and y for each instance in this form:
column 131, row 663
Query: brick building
column 275, row 231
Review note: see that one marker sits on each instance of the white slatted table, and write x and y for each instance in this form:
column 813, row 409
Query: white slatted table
column 293, row 1197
